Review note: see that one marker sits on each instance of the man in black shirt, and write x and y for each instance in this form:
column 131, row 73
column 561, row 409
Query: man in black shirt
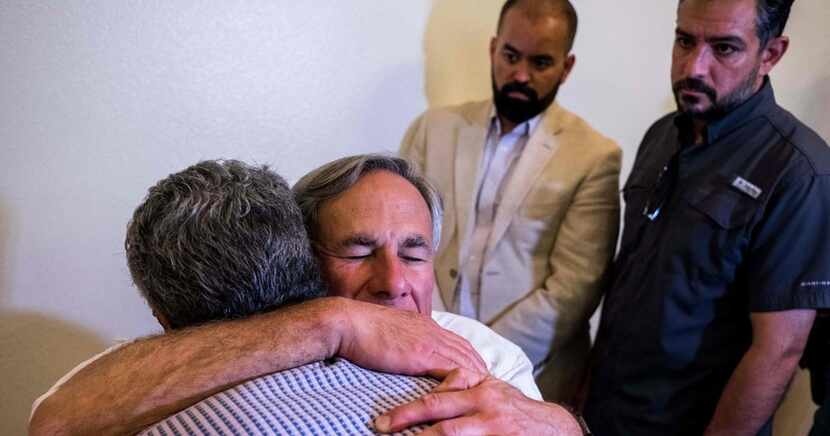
column 725, row 253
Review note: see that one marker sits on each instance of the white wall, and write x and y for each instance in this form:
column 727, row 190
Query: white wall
column 100, row 99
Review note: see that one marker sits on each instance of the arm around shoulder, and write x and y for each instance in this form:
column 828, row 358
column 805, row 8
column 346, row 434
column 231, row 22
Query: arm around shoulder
column 145, row 381
column 148, row 380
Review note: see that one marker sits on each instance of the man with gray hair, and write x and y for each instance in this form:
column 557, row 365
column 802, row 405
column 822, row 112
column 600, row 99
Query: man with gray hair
column 356, row 261
column 375, row 224
column 396, row 277
column 222, row 240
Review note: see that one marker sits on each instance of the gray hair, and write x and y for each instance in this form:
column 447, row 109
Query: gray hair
column 220, row 240
column 335, row 178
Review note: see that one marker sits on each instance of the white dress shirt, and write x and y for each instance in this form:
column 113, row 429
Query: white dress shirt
column 501, row 152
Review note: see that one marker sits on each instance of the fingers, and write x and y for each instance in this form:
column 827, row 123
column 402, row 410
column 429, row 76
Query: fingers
column 403, row 342
column 468, row 425
column 459, row 351
column 458, row 379
column 430, row 407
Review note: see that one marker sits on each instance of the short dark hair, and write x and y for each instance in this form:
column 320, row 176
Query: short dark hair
column 220, row 240
column 771, row 18
column 337, row 177
column 563, row 7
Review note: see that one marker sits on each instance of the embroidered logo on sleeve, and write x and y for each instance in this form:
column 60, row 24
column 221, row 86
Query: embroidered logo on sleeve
column 816, row 284
column 746, row 187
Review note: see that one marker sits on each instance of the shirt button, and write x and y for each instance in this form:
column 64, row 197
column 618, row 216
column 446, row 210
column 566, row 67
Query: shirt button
column 453, row 273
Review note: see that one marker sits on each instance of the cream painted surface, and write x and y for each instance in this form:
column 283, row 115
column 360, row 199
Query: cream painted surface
column 100, row 99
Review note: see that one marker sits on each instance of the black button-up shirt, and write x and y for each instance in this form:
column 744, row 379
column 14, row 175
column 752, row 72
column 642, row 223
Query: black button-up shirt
column 712, row 232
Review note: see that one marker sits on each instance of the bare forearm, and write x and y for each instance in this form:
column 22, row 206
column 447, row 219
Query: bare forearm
column 753, row 393
column 139, row 384
column 146, row 381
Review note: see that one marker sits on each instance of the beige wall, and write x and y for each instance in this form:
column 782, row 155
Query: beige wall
column 99, row 99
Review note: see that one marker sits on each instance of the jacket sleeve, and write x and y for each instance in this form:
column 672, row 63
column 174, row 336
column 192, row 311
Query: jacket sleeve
column 548, row 318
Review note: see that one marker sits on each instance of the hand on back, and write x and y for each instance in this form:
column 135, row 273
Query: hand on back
column 402, row 342
column 472, row 403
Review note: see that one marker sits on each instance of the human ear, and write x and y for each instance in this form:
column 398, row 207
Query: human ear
column 772, row 53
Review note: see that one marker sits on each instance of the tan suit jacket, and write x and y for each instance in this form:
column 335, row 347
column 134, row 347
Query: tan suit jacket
column 553, row 236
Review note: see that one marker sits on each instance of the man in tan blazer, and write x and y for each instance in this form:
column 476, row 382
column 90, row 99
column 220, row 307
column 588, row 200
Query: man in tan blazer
column 531, row 198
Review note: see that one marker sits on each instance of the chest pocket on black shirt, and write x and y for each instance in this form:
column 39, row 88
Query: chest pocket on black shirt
column 715, row 230
column 725, row 206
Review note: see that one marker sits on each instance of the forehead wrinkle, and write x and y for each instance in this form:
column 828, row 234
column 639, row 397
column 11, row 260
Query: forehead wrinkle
column 380, row 205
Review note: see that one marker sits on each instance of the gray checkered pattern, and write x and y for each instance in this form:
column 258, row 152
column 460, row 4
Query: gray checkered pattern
column 322, row 398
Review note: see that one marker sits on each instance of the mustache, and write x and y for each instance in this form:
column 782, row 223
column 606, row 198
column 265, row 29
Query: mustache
column 696, row 85
column 521, row 88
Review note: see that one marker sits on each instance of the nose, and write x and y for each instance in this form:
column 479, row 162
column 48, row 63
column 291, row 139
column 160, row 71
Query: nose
column 521, row 72
column 389, row 280
column 696, row 62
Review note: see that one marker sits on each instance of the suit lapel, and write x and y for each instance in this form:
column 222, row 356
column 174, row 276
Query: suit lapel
column 468, row 152
column 538, row 150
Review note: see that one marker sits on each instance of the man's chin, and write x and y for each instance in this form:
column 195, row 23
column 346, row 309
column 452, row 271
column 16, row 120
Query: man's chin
column 519, row 116
column 696, row 109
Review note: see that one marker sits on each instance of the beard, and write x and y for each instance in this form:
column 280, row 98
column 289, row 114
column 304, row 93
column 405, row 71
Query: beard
column 718, row 107
column 517, row 110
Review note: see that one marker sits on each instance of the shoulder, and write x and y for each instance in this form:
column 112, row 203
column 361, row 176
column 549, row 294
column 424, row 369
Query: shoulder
column 504, row 359
column 474, row 112
column 572, row 127
column 492, row 346
column 809, row 149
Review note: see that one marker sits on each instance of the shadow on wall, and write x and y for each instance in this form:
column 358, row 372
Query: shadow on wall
column 5, row 257
column 35, row 351
column 456, row 50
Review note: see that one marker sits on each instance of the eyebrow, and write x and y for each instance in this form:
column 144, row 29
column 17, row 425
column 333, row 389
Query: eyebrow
column 509, row 47
column 415, row 241
column 364, row 240
column 731, row 39
column 360, row 239
column 541, row 56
